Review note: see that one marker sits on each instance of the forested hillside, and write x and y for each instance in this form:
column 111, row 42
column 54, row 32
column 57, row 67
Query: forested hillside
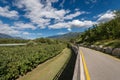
column 67, row 36
column 103, row 31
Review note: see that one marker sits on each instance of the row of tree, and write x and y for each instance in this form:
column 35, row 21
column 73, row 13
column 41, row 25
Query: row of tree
column 6, row 40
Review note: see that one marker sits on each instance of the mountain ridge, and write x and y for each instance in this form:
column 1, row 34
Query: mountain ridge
column 66, row 36
column 6, row 36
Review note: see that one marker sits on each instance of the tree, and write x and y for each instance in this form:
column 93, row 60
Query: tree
column 117, row 14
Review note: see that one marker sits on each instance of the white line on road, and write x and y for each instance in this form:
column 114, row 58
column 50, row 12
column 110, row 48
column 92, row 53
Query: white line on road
column 82, row 74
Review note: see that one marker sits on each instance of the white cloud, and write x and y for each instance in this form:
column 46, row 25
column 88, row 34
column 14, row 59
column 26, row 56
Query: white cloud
column 59, row 25
column 17, row 30
column 70, row 24
column 6, row 29
column 21, row 25
column 84, row 23
column 42, row 12
column 69, row 29
column 109, row 15
column 39, row 13
column 5, row 12
column 77, row 9
column 71, row 16
column 26, row 33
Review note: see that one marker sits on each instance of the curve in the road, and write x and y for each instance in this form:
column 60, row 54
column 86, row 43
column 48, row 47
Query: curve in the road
column 101, row 66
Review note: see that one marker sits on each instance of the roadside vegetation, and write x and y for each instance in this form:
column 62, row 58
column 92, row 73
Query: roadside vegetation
column 49, row 69
column 104, row 37
column 10, row 41
column 110, row 43
column 16, row 61
column 108, row 33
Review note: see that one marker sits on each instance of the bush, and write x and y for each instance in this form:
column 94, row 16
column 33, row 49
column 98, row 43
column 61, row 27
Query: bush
column 18, row 60
column 31, row 43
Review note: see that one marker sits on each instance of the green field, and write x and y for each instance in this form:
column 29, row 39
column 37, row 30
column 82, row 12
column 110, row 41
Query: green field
column 18, row 60
column 48, row 70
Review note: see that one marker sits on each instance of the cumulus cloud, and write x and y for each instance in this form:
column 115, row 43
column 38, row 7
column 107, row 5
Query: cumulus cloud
column 84, row 23
column 26, row 33
column 60, row 25
column 69, row 29
column 71, row 16
column 6, row 29
column 70, row 24
column 17, row 30
column 5, row 12
column 41, row 13
column 109, row 15
column 21, row 25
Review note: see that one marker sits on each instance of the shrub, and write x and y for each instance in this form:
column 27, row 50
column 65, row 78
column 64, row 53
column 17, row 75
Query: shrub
column 31, row 43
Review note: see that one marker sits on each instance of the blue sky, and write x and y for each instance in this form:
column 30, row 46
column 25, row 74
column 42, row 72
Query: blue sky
column 41, row 18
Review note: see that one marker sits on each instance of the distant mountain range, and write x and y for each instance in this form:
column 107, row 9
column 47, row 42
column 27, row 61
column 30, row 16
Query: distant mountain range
column 8, row 36
column 66, row 36
column 5, row 36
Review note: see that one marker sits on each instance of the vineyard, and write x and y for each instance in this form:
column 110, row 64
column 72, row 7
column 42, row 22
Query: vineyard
column 18, row 60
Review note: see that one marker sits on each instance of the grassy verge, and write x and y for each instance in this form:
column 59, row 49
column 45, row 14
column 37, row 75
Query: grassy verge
column 48, row 69
column 110, row 43
column 68, row 72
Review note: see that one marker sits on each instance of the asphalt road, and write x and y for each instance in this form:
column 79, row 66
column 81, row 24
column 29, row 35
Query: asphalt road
column 101, row 66
column 14, row 44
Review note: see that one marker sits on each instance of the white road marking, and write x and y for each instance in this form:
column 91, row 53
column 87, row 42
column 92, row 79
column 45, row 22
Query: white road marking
column 82, row 74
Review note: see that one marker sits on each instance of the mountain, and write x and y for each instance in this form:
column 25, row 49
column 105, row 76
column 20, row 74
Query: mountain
column 5, row 36
column 69, row 35
column 8, row 36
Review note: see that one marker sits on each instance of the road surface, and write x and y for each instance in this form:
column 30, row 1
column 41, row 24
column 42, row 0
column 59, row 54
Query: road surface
column 14, row 44
column 101, row 66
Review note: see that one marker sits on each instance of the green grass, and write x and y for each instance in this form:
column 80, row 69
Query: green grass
column 48, row 69
column 110, row 43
